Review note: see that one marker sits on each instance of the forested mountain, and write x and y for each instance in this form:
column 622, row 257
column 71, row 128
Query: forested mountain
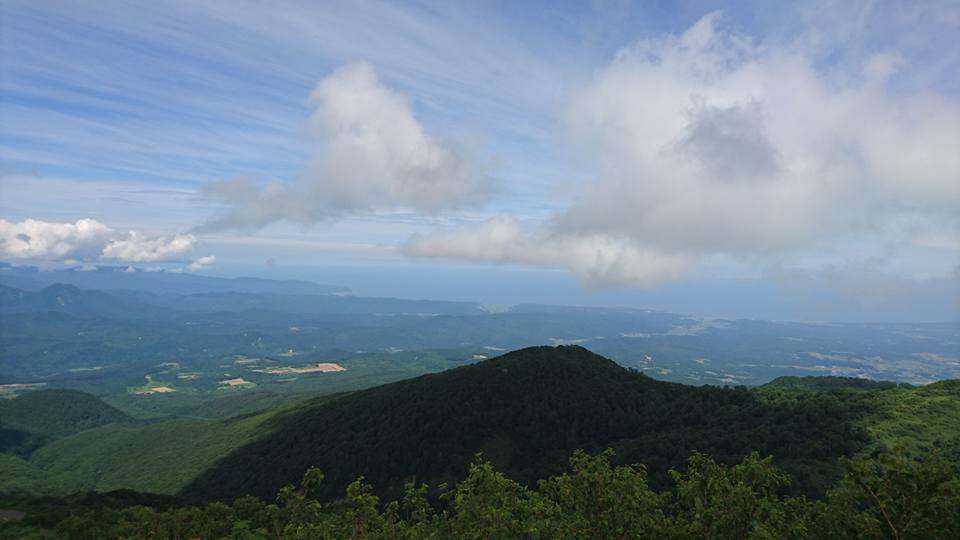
column 527, row 411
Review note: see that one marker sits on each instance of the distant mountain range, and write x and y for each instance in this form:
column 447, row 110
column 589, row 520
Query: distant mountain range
column 126, row 304
column 32, row 278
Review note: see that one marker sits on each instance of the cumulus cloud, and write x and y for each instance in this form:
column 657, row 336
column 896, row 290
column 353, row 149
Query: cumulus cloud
column 710, row 143
column 137, row 248
column 202, row 263
column 34, row 239
column 90, row 240
column 598, row 259
column 370, row 153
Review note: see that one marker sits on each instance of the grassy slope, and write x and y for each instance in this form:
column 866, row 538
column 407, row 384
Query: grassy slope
column 896, row 415
column 919, row 419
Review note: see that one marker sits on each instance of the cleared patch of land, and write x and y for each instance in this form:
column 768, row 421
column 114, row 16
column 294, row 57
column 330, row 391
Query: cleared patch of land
column 152, row 387
column 238, row 382
column 323, row 367
column 9, row 391
column 146, row 391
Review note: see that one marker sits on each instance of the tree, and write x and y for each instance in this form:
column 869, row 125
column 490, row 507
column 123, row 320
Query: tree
column 896, row 496
column 597, row 501
column 720, row 502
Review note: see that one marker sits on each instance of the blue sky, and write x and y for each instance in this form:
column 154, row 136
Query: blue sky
column 647, row 152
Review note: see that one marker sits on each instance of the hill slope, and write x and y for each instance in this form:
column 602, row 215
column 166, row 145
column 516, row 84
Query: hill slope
column 526, row 411
column 57, row 413
column 155, row 458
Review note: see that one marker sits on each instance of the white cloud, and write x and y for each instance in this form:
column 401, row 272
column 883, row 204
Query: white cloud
column 371, row 152
column 137, row 248
column 34, row 239
column 202, row 263
column 598, row 259
column 709, row 143
column 87, row 240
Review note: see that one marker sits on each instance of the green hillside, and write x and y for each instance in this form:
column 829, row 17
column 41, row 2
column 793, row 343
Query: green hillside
column 57, row 413
column 527, row 411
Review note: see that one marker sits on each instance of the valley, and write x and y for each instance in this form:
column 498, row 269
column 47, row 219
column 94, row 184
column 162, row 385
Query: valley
column 212, row 396
column 175, row 351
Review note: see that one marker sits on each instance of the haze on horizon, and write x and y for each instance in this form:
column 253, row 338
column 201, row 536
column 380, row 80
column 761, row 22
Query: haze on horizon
column 736, row 159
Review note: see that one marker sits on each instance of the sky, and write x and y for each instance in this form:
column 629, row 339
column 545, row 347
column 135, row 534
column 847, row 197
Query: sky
column 727, row 159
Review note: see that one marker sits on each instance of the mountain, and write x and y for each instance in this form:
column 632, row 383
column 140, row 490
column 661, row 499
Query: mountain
column 526, row 411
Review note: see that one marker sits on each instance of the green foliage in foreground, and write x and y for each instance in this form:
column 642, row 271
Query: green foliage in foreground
column 892, row 496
